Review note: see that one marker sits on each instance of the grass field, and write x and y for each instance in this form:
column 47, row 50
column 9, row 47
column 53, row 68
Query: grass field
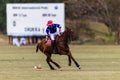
column 97, row 63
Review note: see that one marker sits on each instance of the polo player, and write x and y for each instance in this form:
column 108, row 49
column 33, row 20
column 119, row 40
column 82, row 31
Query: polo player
column 51, row 31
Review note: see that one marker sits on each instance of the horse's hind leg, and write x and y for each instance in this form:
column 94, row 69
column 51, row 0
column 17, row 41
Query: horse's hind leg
column 69, row 60
column 48, row 61
column 55, row 64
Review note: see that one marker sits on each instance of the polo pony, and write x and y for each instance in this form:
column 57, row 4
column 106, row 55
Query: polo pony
column 62, row 43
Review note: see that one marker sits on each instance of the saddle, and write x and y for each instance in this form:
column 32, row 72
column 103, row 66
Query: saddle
column 53, row 44
column 49, row 42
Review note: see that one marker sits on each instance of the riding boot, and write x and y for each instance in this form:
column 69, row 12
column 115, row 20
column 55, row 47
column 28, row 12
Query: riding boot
column 55, row 50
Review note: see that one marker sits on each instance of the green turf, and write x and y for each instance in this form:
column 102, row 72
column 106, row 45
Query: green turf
column 97, row 63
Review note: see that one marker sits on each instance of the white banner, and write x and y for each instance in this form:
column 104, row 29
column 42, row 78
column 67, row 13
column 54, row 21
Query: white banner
column 31, row 19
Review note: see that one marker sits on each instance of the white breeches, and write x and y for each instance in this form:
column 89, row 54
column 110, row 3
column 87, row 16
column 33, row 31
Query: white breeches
column 52, row 35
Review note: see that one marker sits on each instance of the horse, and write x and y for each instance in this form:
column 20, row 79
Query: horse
column 62, row 46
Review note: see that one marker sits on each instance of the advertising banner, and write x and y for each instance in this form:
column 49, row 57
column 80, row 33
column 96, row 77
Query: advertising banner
column 27, row 19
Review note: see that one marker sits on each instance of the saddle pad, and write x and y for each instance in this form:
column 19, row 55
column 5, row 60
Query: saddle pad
column 48, row 43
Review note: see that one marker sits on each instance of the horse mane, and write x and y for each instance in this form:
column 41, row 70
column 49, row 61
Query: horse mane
column 62, row 41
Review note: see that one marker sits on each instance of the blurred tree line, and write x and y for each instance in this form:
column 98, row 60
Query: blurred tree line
column 77, row 13
column 104, row 11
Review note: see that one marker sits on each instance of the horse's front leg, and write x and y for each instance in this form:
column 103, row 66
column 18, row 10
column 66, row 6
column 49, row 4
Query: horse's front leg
column 76, row 63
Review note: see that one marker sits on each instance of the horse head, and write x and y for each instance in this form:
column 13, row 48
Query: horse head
column 69, row 34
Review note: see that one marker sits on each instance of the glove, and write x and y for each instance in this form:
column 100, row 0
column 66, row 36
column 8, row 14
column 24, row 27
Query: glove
column 47, row 37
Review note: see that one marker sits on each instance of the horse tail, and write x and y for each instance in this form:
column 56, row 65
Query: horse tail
column 37, row 47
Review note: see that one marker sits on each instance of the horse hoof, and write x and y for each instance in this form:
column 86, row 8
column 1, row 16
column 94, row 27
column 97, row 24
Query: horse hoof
column 52, row 69
column 60, row 69
column 79, row 67
column 69, row 64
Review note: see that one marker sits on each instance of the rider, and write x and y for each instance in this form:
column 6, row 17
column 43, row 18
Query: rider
column 51, row 31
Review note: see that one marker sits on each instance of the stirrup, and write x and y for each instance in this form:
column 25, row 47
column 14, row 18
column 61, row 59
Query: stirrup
column 55, row 51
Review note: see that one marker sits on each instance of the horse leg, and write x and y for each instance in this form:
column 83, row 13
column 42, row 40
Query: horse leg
column 76, row 63
column 69, row 59
column 55, row 64
column 48, row 61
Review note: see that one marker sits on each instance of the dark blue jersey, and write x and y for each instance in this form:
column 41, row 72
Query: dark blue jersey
column 52, row 29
